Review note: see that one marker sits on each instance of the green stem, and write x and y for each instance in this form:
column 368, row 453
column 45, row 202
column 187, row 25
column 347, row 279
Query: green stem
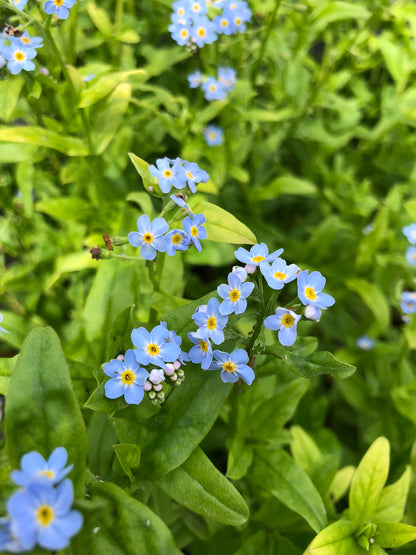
column 264, row 41
column 73, row 34
column 117, row 30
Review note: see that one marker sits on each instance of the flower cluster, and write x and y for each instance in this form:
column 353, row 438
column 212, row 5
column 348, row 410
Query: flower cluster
column 213, row 135
column 40, row 513
column 159, row 348
column 410, row 232
column 19, row 51
column 191, row 24
column 177, row 173
column 214, row 88
column 59, row 7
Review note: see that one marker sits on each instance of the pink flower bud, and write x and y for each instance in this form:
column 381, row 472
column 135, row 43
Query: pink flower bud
column 250, row 268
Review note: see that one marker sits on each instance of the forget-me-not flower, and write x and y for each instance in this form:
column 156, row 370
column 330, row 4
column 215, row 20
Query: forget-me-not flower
column 203, row 31
column 59, row 7
column 285, row 321
column 213, row 89
column 408, row 302
column 233, row 366
column 256, row 255
column 234, row 294
column 167, row 174
column 201, row 352
column 176, row 240
column 210, row 321
column 365, row 343
column 195, row 79
column 153, row 347
column 410, row 232
column 36, row 468
column 127, row 378
column 228, row 77
column 149, row 237
column 191, row 174
column 27, row 41
column 195, row 230
column 411, row 255
column 180, row 200
column 19, row 57
column 278, row 273
column 214, row 135
column 19, row 4
column 310, row 290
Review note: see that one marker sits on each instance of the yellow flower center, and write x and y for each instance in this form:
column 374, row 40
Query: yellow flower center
column 288, row 320
column 212, row 135
column 228, row 366
column 176, row 239
column 409, row 305
column 59, row 2
column 153, row 349
column 194, row 231
column 310, row 293
column 45, row 515
column 258, row 258
column 201, row 32
column 181, row 11
column 235, row 295
column 213, row 88
column 147, row 238
column 184, row 34
column 190, row 175
column 279, row 275
column 127, row 377
column 19, row 56
column 47, row 473
column 196, row 7
column 211, row 323
column 167, row 174
column 237, row 21
column 203, row 345
column 224, row 23
column 25, row 40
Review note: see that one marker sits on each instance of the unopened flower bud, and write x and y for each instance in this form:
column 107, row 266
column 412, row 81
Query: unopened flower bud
column 120, row 357
column 312, row 312
column 158, row 387
column 250, row 268
column 156, row 376
column 176, row 364
column 173, row 377
column 241, row 273
column 152, row 395
column 161, row 396
column 169, row 370
column 180, row 373
column 147, row 386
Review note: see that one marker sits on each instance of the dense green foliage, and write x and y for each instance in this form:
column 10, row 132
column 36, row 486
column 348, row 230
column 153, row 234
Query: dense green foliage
column 319, row 159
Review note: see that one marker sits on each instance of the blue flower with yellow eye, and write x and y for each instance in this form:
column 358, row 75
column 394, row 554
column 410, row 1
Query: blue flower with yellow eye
column 149, row 236
column 210, row 321
column 19, row 57
column 192, row 174
column 195, row 230
column 408, row 303
column 176, row 240
column 213, row 89
column 203, row 31
column 154, row 347
column 27, row 41
column 228, row 77
column 278, row 273
column 127, row 378
column 310, row 290
column 195, row 79
column 365, row 343
column 233, row 366
column 168, row 174
column 19, row 4
column 180, row 32
column 256, row 255
column 285, row 322
column 59, row 7
column 234, row 294
column 36, row 468
column 201, row 352
column 214, row 135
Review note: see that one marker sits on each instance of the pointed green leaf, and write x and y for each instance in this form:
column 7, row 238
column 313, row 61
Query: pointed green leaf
column 9, row 95
column 319, row 362
column 6, row 368
column 109, row 119
column 285, row 185
column 368, row 481
column 374, row 298
column 41, row 409
column 303, row 448
column 392, row 500
column 336, row 539
column 394, row 534
column 128, row 456
column 275, row 471
column 150, row 183
column 71, row 146
column 201, row 487
column 341, row 483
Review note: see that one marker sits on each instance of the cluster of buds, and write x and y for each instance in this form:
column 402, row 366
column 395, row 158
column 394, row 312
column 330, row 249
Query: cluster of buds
column 153, row 386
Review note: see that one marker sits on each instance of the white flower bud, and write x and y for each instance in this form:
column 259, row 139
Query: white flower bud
column 170, row 369
column 312, row 312
column 250, row 268
column 147, row 386
column 158, row 387
column 156, row 376
column 241, row 272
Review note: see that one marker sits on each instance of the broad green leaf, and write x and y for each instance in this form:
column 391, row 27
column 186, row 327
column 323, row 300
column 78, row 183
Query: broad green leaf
column 41, row 410
column 73, row 262
column 104, row 85
column 222, row 226
column 275, row 471
column 336, row 539
column 6, row 368
column 150, row 183
column 109, row 119
column 201, row 487
column 392, row 500
column 341, row 483
column 100, row 19
column 394, row 534
column 71, row 146
column 66, row 209
column 303, row 448
column 143, row 200
column 368, row 481
column 25, row 177
column 101, row 438
column 319, row 362
column 330, row 12
column 128, row 456
column 9, row 154
column 9, row 95
column 285, row 185
column 240, row 457
column 374, row 298
column 410, row 207
column 323, row 471
column 128, row 525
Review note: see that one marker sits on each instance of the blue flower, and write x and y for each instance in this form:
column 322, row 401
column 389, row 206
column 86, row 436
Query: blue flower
column 180, row 200
column 210, row 322
column 310, row 287
column 167, row 175
column 35, row 467
column 154, row 347
column 201, row 353
column 127, row 378
column 180, row 32
column 27, row 41
column 285, row 321
column 213, row 89
column 224, row 24
column 214, row 135
column 256, row 255
column 191, row 174
column 227, row 76
column 19, row 4
column 410, row 232
column 60, row 7
column 233, row 366
column 2, row 329
column 278, row 273
column 19, row 57
column 149, row 237
column 176, row 240
column 234, row 295
column 181, row 11
column 41, row 514
column 194, row 229
column 173, row 337
column 408, row 303
column 365, row 343
column 411, row 255
column 8, row 541
column 203, row 31
column 195, row 79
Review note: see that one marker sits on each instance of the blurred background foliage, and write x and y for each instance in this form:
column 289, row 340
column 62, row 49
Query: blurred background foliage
column 318, row 158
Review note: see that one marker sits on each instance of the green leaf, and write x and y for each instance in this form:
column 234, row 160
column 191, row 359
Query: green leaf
column 341, row 483
column 368, row 481
column 336, row 539
column 392, row 500
column 319, row 362
column 303, row 448
column 275, row 471
column 285, row 185
column 128, row 525
column 66, row 209
column 100, row 19
column 101, row 438
column 240, row 457
column 201, row 487
column 394, row 534
column 150, row 183
column 41, row 409
column 222, row 226
column 374, row 298
column 71, row 146
column 110, row 118
column 73, row 262
column 128, row 456
column 9, row 95
column 410, row 207
column 104, row 85
column 6, row 368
